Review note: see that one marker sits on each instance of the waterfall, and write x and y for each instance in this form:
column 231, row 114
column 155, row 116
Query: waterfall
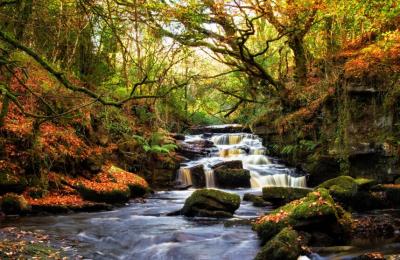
column 278, row 180
column 231, row 139
column 210, row 181
column 185, row 177
column 256, row 159
column 247, row 148
column 257, row 151
column 231, row 152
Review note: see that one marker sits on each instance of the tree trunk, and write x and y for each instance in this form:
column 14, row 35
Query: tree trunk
column 296, row 43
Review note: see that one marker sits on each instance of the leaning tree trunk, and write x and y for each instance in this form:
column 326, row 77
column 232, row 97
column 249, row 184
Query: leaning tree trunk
column 296, row 43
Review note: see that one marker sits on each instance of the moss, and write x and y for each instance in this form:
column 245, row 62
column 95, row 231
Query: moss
column 232, row 178
column 342, row 187
column 364, row 183
column 316, row 209
column 14, row 204
column 283, row 194
column 285, row 245
column 210, row 202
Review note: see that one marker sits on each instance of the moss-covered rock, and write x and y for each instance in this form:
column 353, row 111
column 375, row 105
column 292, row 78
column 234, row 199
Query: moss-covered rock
column 232, row 178
column 342, row 188
column 285, row 245
column 211, row 203
column 316, row 211
column 365, row 184
column 257, row 200
column 354, row 194
column 282, row 195
column 137, row 185
column 14, row 204
column 104, row 192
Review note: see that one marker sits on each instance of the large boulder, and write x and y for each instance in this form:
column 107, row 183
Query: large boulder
column 285, row 245
column 232, row 178
column 283, row 195
column 108, row 192
column 342, row 188
column 137, row 185
column 316, row 211
column 353, row 193
column 112, row 185
column 211, row 203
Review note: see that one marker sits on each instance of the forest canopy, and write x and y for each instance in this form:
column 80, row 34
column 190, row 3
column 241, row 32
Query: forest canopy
column 199, row 61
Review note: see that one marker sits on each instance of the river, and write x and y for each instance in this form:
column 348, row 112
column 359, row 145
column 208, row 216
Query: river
column 143, row 231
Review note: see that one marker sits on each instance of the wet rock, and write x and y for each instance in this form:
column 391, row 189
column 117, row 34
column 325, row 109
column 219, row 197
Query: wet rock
column 198, row 176
column 235, row 164
column 282, row 195
column 195, row 149
column 177, row 136
column 315, row 212
column 285, row 245
column 232, row 178
column 13, row 204
column 238, row 222
column 219, row 129
column 257, row 200
column 211, row 203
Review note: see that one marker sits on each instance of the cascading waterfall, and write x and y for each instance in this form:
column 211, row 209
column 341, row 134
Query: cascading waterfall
column 249, row 149
column 185, row 177
column 210, row 182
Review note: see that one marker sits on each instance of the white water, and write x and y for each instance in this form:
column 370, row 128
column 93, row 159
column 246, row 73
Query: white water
column 249, row 149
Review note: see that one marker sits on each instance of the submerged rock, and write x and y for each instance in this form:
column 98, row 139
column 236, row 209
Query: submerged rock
column 232, row 178
column 211, row 203
column 282, row 195
column 285, row 245
column 257, row 200
column 316, row 211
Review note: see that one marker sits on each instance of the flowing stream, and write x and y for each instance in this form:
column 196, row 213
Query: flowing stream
column 143, row 231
